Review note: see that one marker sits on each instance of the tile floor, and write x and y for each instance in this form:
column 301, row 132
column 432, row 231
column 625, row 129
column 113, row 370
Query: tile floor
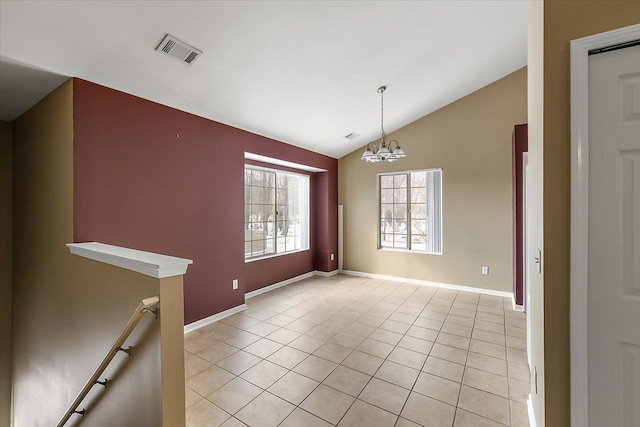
column 351, row 351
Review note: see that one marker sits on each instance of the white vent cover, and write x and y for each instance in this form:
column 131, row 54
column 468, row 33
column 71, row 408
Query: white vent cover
column 179, row 50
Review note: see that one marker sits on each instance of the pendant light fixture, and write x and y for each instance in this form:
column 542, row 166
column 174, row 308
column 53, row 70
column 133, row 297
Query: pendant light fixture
column 385, row 152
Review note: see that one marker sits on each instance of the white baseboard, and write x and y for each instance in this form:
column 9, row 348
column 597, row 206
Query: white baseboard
column 214, row 318
column 278, row 285
column 517, row 307
column 429, row 283
column 532, row 415
column 326, row 273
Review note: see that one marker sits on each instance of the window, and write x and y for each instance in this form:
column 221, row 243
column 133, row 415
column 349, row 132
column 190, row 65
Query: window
column 276, row 212
column 410, row 211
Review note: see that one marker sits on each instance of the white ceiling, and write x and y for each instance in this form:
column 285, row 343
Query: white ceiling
column 303, row 72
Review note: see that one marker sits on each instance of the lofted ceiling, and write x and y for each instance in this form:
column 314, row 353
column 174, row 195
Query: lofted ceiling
column 302, row 72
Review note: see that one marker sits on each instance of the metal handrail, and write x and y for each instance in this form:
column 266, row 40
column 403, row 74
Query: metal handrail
column 143, row 307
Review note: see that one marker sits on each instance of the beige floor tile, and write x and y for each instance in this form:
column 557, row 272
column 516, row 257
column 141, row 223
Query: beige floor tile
column 301, row 418
column 361, row 414
column 406, row 357
column 487, row 363
column 491, row 337
column 488, row 349
column 371, row 321
column 360, row 329
column 468, row 419
column 444, row 368
column 434, row 324
column 347, row 339
column 323, row 332
column 240, row 321
column 190, row 397
column 375, row 348
column 438, row 388
column 241, row 339
column 363, row 362
column 465, row 305
column 517, row 343
column 498, row 311
column 327, row 403
column 205, row 414
column 403, row 317
column 395, row 326
column 458, row 320
column 315, row 368
column 517, row 356
column 193, row 364
column 259, row 313
column 288, row 357
column 497, row 328
column 519, row 414
column 488, row 317
column 263, row 329
column 486, row 404
column 411, row 308
column 216, row 352
column 280, row 320
column 232, row 422
column 397, row 374
column 232, row 396
column 266, row 410
column 483, row 380
column 428, row 412
column 422, row 333
column 264, row 374
column 451, row 354
column 452, row 328
column 263, row 348
column 293, row 387
column 403, row 422
column 238, row 362
column 301, row 326
column 306, row 343
column 209, row 380
column 333, row 352
column 196, row 341
column 416, row 344
column 385, row 395
column 453, row 340
column 283, row 336
column 516, row 332
column 519, row 372
column 347, row 380
column 471, row 314
column 519, row 391
column 386, row 336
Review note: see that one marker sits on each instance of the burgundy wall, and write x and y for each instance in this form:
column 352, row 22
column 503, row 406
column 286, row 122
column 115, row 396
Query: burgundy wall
column 154, row 178
column 520, row 146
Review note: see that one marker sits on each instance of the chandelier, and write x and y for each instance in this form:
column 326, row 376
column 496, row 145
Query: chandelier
column 386, row 152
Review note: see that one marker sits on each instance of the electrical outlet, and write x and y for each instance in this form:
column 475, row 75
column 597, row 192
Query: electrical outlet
column 235, row 283
column 485, row 270
column 333, row 257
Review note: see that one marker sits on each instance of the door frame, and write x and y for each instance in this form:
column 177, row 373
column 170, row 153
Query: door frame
column 580, row 213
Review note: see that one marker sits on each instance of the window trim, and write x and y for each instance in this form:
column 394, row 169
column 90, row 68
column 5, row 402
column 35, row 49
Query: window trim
column 307, row 246
column 379, row 218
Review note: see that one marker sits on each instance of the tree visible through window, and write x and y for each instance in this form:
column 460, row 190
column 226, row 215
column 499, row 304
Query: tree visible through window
column 276, row 212
column 410, row 210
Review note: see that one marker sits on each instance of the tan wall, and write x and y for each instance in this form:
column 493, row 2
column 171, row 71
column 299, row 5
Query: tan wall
column 6, row 143
column 564, row 21
column 67, row 311
column 470, row 140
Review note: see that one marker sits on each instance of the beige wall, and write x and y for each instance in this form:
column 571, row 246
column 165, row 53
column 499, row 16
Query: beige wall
column 67, row 311
column 470, row 140
column 6, row 138
column 563, row 21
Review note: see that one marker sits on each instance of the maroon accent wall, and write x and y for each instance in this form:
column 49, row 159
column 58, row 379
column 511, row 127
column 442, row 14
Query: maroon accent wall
column 154, row 178
column 520, row 146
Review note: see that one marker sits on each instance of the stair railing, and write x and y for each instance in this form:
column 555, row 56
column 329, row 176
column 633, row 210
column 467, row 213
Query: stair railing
column 145, row 306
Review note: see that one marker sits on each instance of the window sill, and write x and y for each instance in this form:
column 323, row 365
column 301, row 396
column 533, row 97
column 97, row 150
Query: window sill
column 273, row 256
column 385, row 249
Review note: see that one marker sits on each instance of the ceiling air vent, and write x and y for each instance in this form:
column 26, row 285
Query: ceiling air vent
column 352, row 135
column 179, row 50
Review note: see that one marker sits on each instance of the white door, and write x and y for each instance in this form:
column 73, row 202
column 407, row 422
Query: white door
column 614, row 238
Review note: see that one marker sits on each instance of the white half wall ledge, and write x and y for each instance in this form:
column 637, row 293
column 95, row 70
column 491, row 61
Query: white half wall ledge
column 147, row 263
